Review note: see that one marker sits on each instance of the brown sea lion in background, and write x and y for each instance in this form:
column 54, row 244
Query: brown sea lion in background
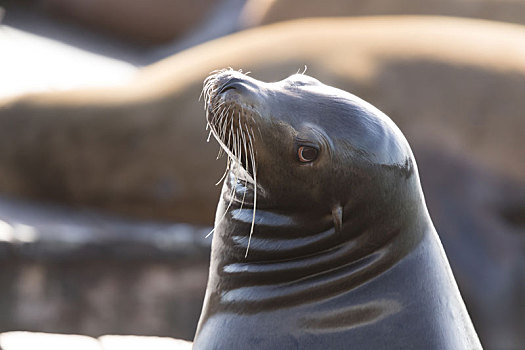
column 260, row 12
column 131, row 154
column 481, row 220
column 141, row 21
column 440, row 78
column 132, row 149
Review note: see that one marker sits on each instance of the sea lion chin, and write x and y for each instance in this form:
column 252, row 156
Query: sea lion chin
column 322, row 237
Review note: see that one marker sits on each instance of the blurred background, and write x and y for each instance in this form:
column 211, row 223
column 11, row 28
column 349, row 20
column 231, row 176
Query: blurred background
column 107, row 181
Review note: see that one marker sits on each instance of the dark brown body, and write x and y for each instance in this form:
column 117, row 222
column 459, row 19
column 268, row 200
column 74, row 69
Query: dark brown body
column 371, row 275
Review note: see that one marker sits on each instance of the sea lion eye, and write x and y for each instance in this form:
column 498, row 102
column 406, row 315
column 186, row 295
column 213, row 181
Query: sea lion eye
column 307, row 154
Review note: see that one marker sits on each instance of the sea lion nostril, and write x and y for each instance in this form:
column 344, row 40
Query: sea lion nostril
column 226, row 88
column 232, row 84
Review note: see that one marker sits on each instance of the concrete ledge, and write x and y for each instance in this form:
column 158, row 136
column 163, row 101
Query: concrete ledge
column 29, row 340
column 133, row 342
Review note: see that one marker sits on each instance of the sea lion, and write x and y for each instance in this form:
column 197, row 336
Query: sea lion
column 322, row 237
column 147, row 22
column 260, row 12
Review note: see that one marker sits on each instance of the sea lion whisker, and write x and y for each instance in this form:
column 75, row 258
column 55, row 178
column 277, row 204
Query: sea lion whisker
column 218, row 126
column 236, row 166
column 220, row 123
column 223, row 176
column 218, row 134
column 225, row 172
column 240, row 139
column 215, row 107
column 203, row 93
column 225, row 125
column 218, row 106
column 246, row 162
column 207, row 91
column 222, row 129
column 238, row 147
column 231, row 145
column 305, row 69
column 254, row 170
column 228, row 142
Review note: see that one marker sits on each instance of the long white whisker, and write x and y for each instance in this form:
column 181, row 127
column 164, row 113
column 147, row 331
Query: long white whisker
column 254, row 193
column 225, row 172
column 246, row 162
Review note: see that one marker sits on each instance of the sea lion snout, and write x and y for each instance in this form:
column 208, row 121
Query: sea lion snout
column 239, row 85
column 236, row 87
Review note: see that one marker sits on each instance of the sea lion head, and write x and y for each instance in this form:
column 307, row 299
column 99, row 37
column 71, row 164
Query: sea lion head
column 309, row 147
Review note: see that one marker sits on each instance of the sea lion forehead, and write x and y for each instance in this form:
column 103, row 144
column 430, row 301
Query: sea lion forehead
column 301, row 80
column 306, row 85
column 301, row 99
column 347, row 121
column 301, row 93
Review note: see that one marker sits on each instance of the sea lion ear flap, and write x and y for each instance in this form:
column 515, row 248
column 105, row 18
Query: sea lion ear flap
column 337, row 216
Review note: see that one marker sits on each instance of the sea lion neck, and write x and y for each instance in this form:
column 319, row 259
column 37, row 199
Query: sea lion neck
column 299, row 257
